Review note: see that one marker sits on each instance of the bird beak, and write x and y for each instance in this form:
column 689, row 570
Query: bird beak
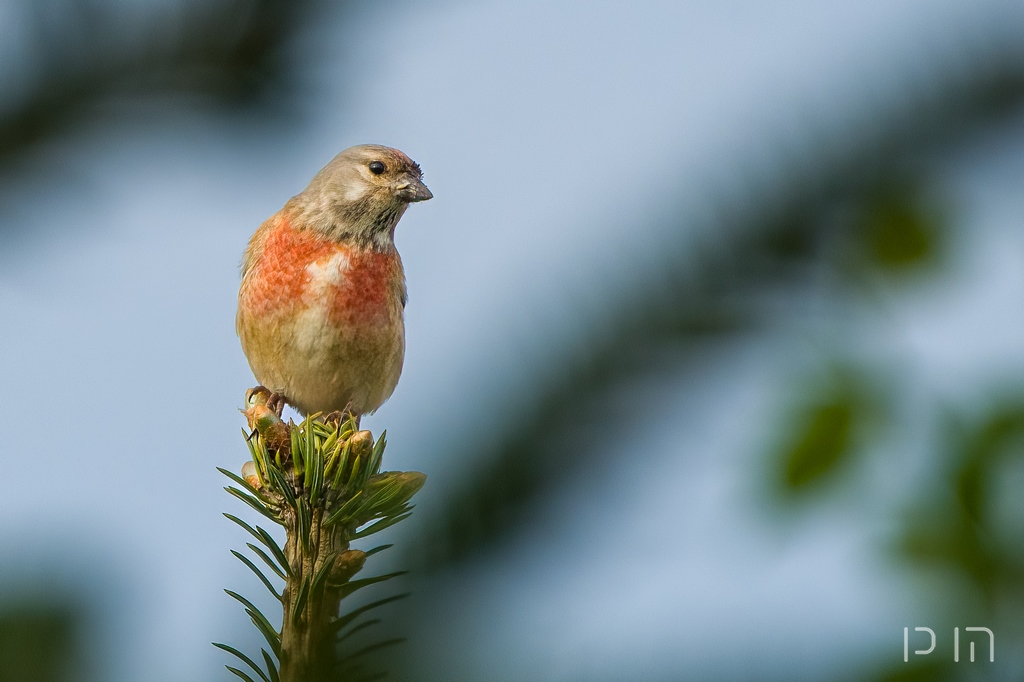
column 411, row 189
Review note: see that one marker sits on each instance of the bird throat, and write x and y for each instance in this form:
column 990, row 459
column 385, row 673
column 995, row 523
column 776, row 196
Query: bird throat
column 368, row 222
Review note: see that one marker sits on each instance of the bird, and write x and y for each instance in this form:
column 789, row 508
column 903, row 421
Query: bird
column 322, row 299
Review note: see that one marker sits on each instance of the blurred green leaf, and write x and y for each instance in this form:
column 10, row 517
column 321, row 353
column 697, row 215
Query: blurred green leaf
column 823, row 440
column 982, row 451
column 954, row 525
column 898, row 232
column 37, row 642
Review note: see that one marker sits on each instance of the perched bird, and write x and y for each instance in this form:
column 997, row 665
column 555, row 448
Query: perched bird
column 320, row 309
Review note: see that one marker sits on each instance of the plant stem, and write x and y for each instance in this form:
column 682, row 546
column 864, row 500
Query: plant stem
column 307, row 638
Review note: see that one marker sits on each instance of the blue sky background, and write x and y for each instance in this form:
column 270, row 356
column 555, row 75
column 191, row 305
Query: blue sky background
column 556, row 136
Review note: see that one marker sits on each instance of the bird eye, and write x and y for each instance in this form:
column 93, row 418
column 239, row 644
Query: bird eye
column 377, row 167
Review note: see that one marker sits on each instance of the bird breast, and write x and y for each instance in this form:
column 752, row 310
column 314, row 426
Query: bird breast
column 320, row 321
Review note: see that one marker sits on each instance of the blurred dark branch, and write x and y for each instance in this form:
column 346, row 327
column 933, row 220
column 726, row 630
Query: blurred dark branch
column 767, row 248
column 232, row 51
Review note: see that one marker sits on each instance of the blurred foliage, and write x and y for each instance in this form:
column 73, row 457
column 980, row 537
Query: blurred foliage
column 825, row 440
column 38, row 642
column 897, row 233
column 830, row 424
column 234, row 52
column 927, row 671
column 770, row 248
column 957, row 526
column 822, row 436
column 895, row 227
column 788, row 246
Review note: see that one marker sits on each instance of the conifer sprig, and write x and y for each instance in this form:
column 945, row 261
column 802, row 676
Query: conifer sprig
column 321, row 481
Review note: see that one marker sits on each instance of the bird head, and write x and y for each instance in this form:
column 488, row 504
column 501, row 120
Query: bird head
column 361, row 195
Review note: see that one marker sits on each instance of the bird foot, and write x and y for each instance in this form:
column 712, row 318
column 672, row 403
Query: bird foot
column 276, row 402
column 349, row 412
column 339, row 417
column 261, row 395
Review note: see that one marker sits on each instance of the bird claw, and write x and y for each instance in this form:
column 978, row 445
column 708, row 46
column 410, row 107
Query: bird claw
column 261, row 395
column 339, row 417
column 350, row 413
column 276, row 402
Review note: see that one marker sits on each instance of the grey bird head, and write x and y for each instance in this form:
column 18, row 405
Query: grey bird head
column 361, row 195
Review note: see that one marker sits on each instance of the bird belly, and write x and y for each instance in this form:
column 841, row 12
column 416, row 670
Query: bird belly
column 325, row 367
column 338, row 344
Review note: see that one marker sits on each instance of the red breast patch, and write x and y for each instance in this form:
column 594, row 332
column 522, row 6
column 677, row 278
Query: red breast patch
column 366, row 288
